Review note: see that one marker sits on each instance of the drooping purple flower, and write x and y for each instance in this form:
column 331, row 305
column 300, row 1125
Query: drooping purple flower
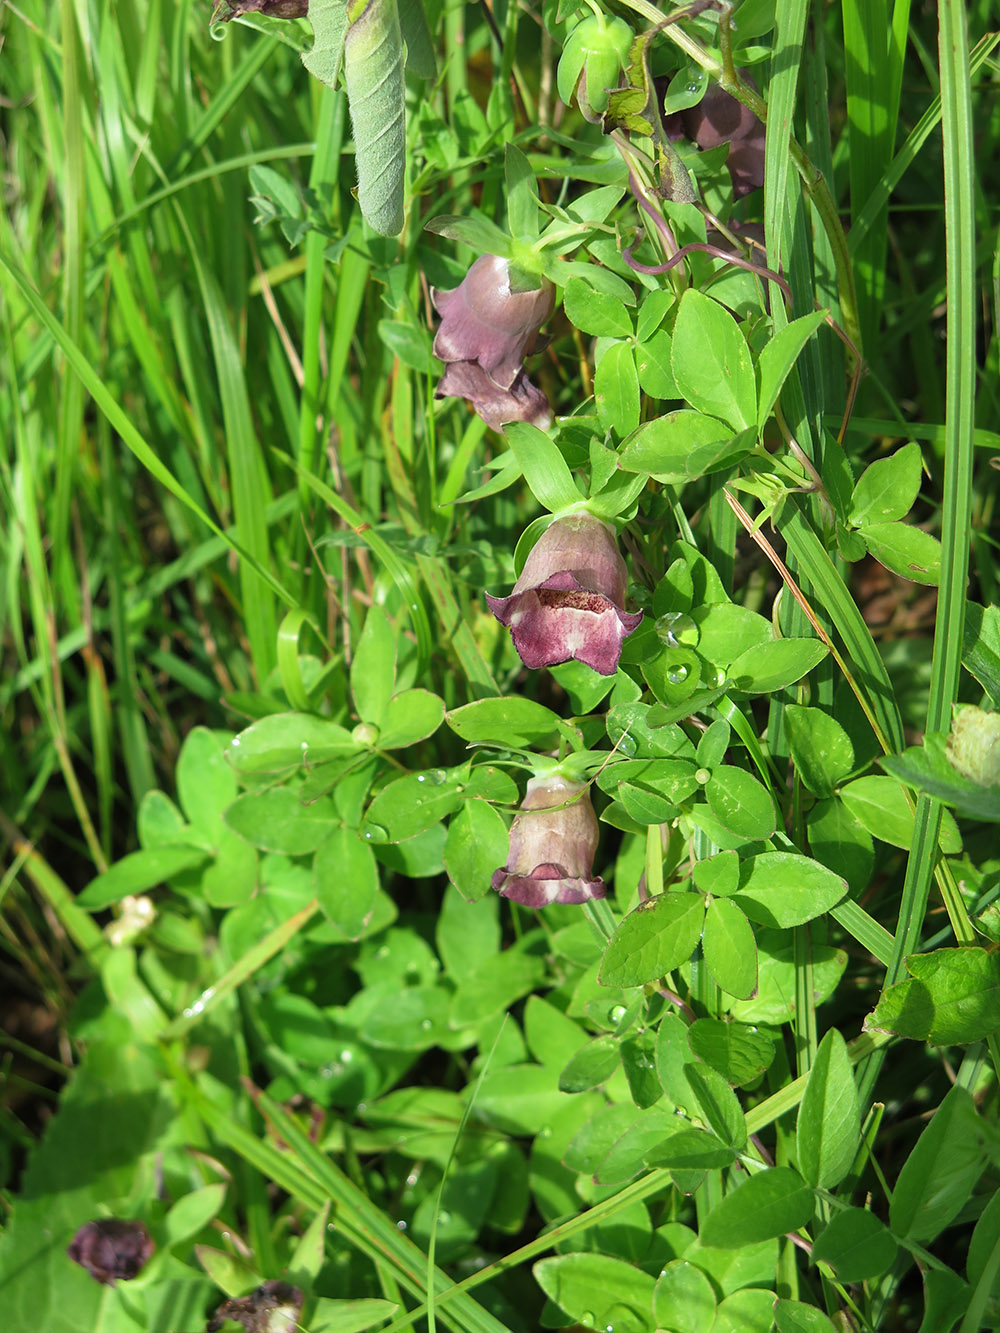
column 550, row 858
column 717, row 119
column 488, row 319
column 569, row 601
column 489, row 324
column 111, row 1249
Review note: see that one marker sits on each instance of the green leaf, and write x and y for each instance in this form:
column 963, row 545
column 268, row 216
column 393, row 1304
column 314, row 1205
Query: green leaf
column 475, row 230
column 653, row 939
column 520, row 1099
column 841, row 842
column 820, row 747
column 373, row 670
column 953, row 997
column 205, row 782
column 735, row 1050
column 718, row 875
column 741, row 803
column 192, row 1212
column 285, row 740
column 410, row 342
column 652, row 361
column 549, row 479
column 331, row 1316
column 941, row 1172
column 748, row 1311
column 887, row 488
column 597, row 1290
column 688, row 1149
column 373, row 77
column 137, row 872
column 522, row 202
column 475, row 847
column 683, row 1300
column 593, row 312
column 328, row 19
column 797, row 1317
column 983, row 1243
column 769, row 1203
column 711, row 361
column 714, row 1102
column 908, row 551
column 277, row 821
column 412, row 804
column 677, row 446
column 828, row 1129
column 616, row 389
column 927, row 768
column 497, row 983
column 880, row 804
column 346, row 880
column 981, row 647
column 856, row 1245
column 779, row 355
column 413, row 1018
column 726, row 629
column 410, row 717
column 785, row 889
column 590, row 1066
column 511, row 721
column 768, row 667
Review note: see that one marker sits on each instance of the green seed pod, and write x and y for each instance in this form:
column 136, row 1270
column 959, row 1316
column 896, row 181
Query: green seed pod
column 373, row 75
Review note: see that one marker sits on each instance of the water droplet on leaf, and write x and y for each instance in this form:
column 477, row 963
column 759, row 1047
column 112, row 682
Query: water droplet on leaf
column 677, row 630
column 677, row 675
column 375, row 833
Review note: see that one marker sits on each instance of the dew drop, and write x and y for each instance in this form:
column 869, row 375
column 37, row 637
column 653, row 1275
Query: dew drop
column 426, row 1025
column 677, row 630
column 375, row 833
column 400, row 1225
column 718, row 677
column 383, row 952
column 346, row 1056
column 421, row 777
column 617, row 1013
column 587, row 1318
column 236, row 740
column 693, row 87
column 678, row 675
column 702, row 775
column 412, row 1179
column 438, row 776
column 444, row 1218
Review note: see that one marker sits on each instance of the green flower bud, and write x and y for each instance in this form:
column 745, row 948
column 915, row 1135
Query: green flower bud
column 974, row 744
column 594, row 54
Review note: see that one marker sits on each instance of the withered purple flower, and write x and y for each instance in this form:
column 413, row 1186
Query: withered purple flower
column 111, row 1249
column 569, row 601
column 553, row 839
column 489, row 324
column 274, row 1307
